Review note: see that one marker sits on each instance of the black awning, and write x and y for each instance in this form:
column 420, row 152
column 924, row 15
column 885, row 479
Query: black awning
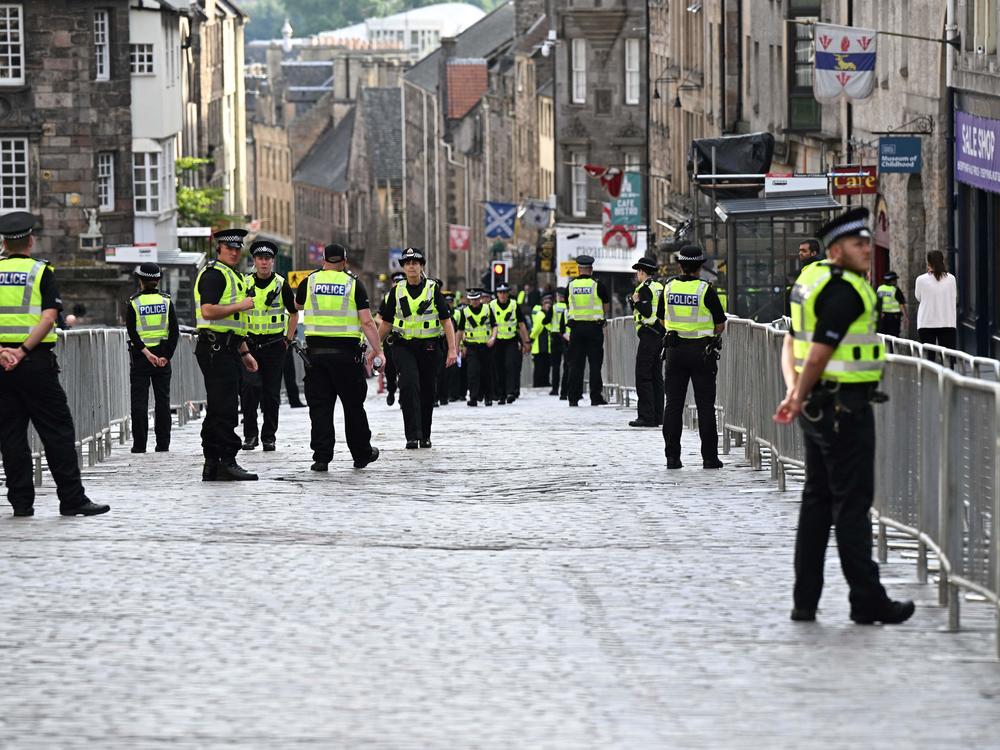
column 801, row 204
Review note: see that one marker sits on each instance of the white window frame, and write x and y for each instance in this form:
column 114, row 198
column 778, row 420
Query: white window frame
column 632, row 71
column 141, row 56
column 579, row 61
column 168, row 181
column 146, row 173
column 105, row 181
column 984, row 30
column 102, row 46
column 578, row 177
column 15, row 175
column 11, row 51
column 632, row 162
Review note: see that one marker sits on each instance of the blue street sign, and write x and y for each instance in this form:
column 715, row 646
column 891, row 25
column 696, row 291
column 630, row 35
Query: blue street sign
column 899, row 153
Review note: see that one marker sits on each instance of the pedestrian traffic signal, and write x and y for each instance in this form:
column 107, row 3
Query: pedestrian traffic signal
column 499, row 273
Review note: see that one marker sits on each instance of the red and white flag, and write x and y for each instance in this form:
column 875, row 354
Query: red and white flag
column 610, row 177
column 458, row 237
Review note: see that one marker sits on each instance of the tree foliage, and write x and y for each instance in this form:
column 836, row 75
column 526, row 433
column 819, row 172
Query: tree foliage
column 199, row 206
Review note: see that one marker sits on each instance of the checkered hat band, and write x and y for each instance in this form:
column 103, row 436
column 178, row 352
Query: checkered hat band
column 18, row 236
column 849, row 228
column 147, row 275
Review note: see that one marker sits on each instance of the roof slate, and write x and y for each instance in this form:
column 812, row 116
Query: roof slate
column 325, row 166
column 382, row 109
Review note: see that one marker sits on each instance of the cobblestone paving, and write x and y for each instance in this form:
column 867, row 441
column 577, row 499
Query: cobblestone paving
column 536, row 580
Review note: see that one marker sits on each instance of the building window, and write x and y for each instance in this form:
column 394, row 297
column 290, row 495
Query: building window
column 984, row 26
column 14, row 174
column 804, row 112
column 146, row 182
column 106, row 181
column 579, row 184
column 102, row 71
column 11, row 44
column 168, row 186
column 632, row 162
column 631, row 71
column 579, row 71
column 140, row 58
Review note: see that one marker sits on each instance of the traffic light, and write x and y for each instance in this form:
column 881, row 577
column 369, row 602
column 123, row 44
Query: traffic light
column 499, row 273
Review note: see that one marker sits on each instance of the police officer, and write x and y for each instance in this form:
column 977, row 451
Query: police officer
column 693, row 319
column 270, row 333
column 151, row 323
column 892, row 305
column 541, row 321
column 337, row 318
column 647, row 302
column 416, row 312
column 223, row 307
column 557, row 344
column 832, row 363
column 29, row 377
column 390, row 363
column 477, row 336
column 512, row 340
column 586, row 314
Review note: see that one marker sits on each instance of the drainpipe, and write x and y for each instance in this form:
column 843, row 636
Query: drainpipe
column 951, row 34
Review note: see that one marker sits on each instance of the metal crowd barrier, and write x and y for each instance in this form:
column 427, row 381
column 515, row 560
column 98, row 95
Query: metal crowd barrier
column 94, row 372
column 938, row 445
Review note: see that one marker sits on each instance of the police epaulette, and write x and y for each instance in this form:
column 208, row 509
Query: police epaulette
column 836, row 271
column 211, row 264
column 351, row 274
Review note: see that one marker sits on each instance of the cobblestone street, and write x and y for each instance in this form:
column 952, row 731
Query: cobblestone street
column 535, row 580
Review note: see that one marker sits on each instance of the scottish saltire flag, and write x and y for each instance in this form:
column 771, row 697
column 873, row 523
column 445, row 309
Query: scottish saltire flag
column 845, row 62
column 500, row 219
column 534, row 214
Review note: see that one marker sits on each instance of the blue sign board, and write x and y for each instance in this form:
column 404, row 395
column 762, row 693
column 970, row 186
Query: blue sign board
column 899, row 153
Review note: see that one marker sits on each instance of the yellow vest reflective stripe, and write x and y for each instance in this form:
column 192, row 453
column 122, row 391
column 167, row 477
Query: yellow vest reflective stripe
column 234, row 291
column 584, row 304
column 152, row 315
column 657, row 289
column 859, row 356
column 417, row 318
column 330, row 310
column 887, row 294
column 558, row 315
column 506, row 318
column 685, row 309
column 477, row 325
column 267, row 319
column 537, row 327
column 21, row 299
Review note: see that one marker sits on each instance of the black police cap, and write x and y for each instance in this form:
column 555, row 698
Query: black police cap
column 17, row 225
column 890, row 276
column 334, row 253
column 398, row 276
column 148, row 271
column 645, row 264
column 230, row 237
column 503, row 288
column 584, row 260
column 851, row 223
column 265, row 248
column 413, row 253
column 691, row 254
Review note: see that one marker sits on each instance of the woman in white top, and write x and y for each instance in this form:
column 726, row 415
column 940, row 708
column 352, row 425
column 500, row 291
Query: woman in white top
column 937, row 295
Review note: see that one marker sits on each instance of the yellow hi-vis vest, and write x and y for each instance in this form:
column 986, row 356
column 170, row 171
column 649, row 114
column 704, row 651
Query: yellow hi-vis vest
column 685, row 310
column 537, row 329
column 330, row 310
column 657, row 289
column 417, row 318
column 723, row 299
column 584, row 304
column 558, row 315
column 887, row 296
column 264, row 319
column 477, row 325
column 235, row 290
column 152, row 316
column 21, row 299
column 506, row 318
column 859, row 356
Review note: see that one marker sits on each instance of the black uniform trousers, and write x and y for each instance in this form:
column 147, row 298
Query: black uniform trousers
column 479, row 369
column 31, row 393
column 459, row 380
column 686, row 363
column 557, row 347
column 291, row 386
column 586, row 346
column 540, row 370
column 417, row 361
column 142, row 375
column 649, row 375
column 262, row 389
column 889, row 324
column 391, row 373
column 507, row 367
column 221, row 370
column 333, row 374
column 840, row 482
column 444, row 374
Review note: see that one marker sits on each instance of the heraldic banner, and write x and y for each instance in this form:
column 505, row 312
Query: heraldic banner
column 845, row 62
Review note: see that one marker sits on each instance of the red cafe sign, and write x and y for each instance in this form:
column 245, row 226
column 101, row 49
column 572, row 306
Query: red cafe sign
column 866, row 185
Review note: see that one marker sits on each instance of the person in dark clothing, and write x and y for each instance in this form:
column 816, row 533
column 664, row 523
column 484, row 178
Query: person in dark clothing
column 477, row 336
column 557, row 345
column 586, row 316
column 390, row 371
column 291, row 383
column 151, row 323
column 694, row 320
column 647, row 303
column 415, row 312
column 541, row 320
column 512, row 341
column 892, row 306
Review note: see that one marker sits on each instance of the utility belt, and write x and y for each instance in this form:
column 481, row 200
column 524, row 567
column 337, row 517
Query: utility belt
column 653, row 330
column 262, row 341
column 841, row 397
column 219, row 341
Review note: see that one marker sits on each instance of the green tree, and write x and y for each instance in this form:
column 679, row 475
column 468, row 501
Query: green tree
column 199, row 206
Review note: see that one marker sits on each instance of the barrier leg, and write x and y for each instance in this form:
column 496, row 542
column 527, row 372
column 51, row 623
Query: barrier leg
column 883, row 543
column 954, row 608
column 38, row 470
column 921, row 562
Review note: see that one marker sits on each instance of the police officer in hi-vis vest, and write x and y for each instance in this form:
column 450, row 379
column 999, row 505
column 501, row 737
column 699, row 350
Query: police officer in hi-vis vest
column 511, row 342
column 270, row 332
column 222, row 309
column 693, row 318
column 477, row 336
column 30, row 392
column 892, row 306
column 542, row 316
column 832, row 362
column 337, row 319
column 391, row 374
column 416, row 312
column 557, row 344
column 151, row 323
column 647, row 304
column 586, row 316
